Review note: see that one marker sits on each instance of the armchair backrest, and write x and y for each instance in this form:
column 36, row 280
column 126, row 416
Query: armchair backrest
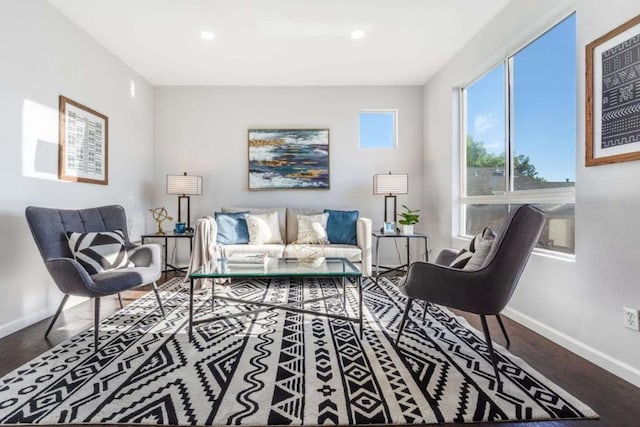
column 510, row 252
column 49, row 226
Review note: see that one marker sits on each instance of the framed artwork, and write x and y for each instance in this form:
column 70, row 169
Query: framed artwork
column 284, row 159
column 389, row 228
column 613, row 96
column 83, row 154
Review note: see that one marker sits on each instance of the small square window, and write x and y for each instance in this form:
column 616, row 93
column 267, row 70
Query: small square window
column 378, row 129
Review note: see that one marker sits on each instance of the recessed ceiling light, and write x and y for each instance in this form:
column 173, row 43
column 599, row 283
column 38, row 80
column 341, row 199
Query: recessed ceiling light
column 357, row 34
column 207, row 35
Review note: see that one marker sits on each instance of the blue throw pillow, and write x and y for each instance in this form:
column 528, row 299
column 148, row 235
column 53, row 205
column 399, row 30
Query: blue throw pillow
column 232, row 228
column 341, row 226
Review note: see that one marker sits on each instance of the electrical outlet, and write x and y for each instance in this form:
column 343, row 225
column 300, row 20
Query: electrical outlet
column 631, row 318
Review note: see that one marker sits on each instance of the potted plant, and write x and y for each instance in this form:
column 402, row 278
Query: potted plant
column 409, row 219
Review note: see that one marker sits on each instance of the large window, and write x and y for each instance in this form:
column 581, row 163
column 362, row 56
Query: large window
column 519, row 128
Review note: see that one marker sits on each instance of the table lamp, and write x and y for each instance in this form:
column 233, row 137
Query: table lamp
column 390, row 184
column 184, row 186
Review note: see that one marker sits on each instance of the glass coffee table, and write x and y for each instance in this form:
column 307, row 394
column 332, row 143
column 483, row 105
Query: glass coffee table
column 293, row 268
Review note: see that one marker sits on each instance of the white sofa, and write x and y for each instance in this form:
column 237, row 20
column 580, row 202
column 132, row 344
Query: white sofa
column 359, row 254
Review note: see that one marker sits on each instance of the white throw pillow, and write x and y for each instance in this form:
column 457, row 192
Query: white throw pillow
column 264, row 228
column 313, row 229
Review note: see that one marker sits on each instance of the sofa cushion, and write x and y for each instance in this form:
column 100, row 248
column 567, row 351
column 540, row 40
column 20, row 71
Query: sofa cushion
column 99, row 251
column 272, row 251
column 264, row 228
column 282, row 214
column 352, row 253
column 292, row 221
column 232, row 227
column 341, row 226
column 312, row 229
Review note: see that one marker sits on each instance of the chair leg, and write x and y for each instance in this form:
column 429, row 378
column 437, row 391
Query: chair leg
column 55, row 316
column 487, row 337
column 424, row 313
column 405, row 315
column 155, row 291
column 504, row 330
column 120, row 300
column 96, row 323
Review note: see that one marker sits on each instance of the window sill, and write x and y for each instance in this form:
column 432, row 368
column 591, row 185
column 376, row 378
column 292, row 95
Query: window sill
column 463, row 241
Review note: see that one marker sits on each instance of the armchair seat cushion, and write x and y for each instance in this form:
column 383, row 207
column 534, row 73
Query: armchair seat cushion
column 114, row 281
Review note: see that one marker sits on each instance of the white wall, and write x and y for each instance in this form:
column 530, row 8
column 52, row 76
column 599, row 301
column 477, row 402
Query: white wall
column 43, row 55
column 576, row 303
column 203, row 130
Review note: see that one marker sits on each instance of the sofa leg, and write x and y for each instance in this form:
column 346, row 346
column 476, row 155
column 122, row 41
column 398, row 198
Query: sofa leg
column 55, row 316
column 120, row 300
column 405, row 315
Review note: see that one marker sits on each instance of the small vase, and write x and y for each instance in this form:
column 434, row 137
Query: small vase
column 407, row 229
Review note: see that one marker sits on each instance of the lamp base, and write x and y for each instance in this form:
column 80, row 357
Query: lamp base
column 395, row 208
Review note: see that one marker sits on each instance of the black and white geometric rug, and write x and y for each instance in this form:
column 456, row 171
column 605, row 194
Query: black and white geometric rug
column 260, row 367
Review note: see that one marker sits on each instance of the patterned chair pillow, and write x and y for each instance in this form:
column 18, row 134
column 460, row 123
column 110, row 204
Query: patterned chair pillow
column 99, row 251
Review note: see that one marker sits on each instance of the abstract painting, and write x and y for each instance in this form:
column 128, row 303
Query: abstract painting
column 288, row 159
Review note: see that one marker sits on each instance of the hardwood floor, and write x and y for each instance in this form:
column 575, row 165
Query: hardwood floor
column 616, row 401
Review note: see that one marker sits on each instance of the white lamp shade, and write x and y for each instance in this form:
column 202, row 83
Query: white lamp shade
column 391, row 183
column 189, row 185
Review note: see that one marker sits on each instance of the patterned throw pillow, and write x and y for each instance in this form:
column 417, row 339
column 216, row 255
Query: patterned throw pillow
column 312, row 229
column 99, row 251
column 264, row 228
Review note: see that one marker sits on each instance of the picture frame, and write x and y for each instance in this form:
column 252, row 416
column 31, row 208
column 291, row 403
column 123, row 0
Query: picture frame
column 389, row 228
column 83, row 147
column 288, row 159
column 613, row 96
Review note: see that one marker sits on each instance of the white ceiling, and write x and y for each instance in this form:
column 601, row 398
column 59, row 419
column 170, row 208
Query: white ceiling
column 282, row 42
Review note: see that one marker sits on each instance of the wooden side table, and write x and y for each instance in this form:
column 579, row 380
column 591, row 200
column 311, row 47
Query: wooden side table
column 166, row 236
column 380, row 236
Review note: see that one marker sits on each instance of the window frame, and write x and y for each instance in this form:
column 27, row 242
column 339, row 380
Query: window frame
column 510, row 196
column 395, row 127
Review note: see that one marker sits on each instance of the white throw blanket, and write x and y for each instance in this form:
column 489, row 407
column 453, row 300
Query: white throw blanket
column 204, row 248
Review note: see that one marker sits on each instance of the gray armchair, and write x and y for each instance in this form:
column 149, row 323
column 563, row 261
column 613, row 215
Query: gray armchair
column 49, row 228
column 485, row 291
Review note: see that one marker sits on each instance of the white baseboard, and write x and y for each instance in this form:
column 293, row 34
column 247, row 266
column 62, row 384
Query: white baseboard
column 31, row 318
column 24, row 321
column 611, row 364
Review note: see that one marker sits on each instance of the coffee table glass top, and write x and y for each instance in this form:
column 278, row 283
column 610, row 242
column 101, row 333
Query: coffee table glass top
column 275, row 267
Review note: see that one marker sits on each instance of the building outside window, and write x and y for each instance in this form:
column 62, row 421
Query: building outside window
column 519, row 138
